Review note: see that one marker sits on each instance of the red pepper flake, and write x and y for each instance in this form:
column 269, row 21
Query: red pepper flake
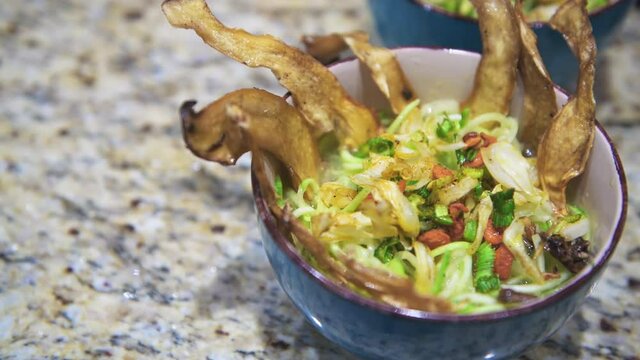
column 402, row 185
column 440, row 171
column 434, row 238
column 491, row 234
column 456, row 209
column 457, row 229
column 503, row 261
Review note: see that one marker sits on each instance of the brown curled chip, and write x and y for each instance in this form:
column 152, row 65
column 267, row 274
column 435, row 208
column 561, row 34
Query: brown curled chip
column 539, row 105
column 566, row 145
column 381, row 62
column 495, row 77
column 251, row 118
column 315, row 90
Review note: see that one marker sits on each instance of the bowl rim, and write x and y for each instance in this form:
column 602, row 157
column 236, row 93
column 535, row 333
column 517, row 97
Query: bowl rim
column 534, row 24
column 267, row 218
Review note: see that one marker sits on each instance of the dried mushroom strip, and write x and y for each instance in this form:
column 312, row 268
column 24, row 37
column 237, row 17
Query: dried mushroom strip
column 566, row 145
column 495, row 78
column 381, row 62
column 247, row 119
column 315, row 90
column 539, row 105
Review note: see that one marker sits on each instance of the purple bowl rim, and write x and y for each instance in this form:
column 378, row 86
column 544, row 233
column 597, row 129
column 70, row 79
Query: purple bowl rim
column 265, row 216
column 533, row 24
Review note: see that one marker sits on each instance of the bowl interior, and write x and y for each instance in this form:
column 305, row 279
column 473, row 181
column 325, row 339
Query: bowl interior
column 446, row 74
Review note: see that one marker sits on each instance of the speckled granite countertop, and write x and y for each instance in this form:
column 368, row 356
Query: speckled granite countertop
column 117, row 242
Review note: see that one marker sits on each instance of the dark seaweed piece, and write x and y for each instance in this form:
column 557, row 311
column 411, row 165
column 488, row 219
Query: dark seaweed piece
column 574, row 255
column 528, row 245
column 507, row 296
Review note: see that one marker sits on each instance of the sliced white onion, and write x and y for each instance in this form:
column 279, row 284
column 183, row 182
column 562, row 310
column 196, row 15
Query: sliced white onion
column 576, row 229
column 507, row 165
column 457, row 190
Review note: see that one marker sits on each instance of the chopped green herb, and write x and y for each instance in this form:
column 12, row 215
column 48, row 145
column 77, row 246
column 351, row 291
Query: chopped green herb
column 466, row 115
column 470, row 229
column 441, row 210
column 503, row 208
column 544, row 226
column 426, row 213
column 477, row 191
column 466, row 155
column 412, row 182
column 396, row 266
column 388, row 249
column 442, row 215
column 574, row 210
column 485, row 279
column 376, row 145
column 447, row 129
column 279, row 190
column 424, row 192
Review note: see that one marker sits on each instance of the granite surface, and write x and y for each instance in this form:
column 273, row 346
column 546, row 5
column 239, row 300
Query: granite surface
column 116, row 242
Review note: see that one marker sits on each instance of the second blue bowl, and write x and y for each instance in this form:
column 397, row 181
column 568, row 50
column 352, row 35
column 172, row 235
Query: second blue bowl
column 409, row 23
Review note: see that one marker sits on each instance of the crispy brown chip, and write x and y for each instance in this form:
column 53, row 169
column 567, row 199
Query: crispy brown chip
column 496, row 74
column 566, row 145
column 381, row 62
column 315, row 90
column 539, row 106
column 251, row 118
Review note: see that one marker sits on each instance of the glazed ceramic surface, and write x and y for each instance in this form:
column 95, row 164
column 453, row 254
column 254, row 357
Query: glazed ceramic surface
column 373, row 330
column 409, row 23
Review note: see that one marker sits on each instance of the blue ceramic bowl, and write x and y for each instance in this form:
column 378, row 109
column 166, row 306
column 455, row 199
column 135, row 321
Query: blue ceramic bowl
column 380, row 331
column 410, row 23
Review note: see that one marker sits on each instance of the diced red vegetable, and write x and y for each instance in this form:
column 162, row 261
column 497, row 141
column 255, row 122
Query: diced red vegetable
column 434, row 238
column 457, row 229
column 502, row 263
column 491, row 234
column 402, row 185
column 456, row 209
column 440, row 171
